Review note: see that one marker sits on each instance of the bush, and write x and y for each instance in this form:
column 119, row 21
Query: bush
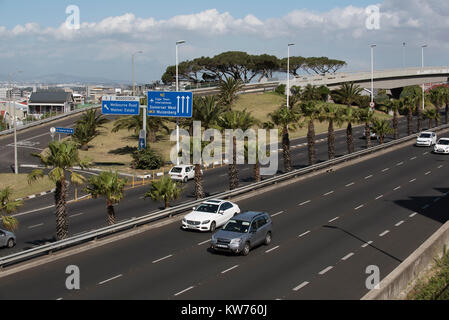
column 146, row 160
column 281, row 89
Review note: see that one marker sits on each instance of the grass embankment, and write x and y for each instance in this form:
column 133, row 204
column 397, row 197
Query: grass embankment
column 435, row 284
column 114, row 150
column 20, row 186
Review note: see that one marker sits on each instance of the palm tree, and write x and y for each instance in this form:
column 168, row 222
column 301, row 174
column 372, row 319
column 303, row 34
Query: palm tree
column 229, row 88
column 445, row 98
column 256, row 168
column 7, row 207
column 87, row 126
column 408, row 105
column 235, row 120
column 381, row 128
column 110, row 186
column 206, row 110
column 348, row 93
column 134, row 123
column 333, row 114
column 395, row 105
column 61, row 158
column 165, row 190
column 366, row 116
column 350, row 116
column 311, row 111
column 285, row 119
column 437, row 98
column 432, row 114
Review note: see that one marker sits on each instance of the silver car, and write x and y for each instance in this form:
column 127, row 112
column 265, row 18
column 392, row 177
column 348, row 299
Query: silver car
column 7, row 239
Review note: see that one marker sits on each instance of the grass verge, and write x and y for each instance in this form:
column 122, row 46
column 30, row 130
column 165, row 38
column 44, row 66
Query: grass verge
column 20, row 186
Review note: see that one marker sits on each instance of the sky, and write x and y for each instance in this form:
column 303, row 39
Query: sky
column 35, row 39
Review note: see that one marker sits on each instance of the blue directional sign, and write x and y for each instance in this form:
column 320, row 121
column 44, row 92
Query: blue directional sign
column 65, row 130
column 170, row 104
column 120, row 105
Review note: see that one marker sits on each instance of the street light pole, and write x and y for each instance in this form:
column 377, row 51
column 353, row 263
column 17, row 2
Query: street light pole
column 403, row 55
column 422, row 65
column 16, row 162
column 177, row 89
column 372, row 73
column 144, row 126
column 288, row 73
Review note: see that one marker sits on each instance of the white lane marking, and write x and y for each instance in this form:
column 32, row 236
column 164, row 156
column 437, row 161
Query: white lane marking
column 305, row 202
column 350, row 184
column 110, row 279
column 302, row 285
column 232, row 268
column 32, row 211
column 276, row 214
column 304, row 234
column 32, row 197
column 329, row 193
column 399, row 223
column 384, row 233
column 164, row 258
column 185, row 290
column 429, row 172
column 334, row 219
column 58, row 299
column 439, row 167
column 369, row 177
column 379, row 197
column 413, row 180
column 347, row 256
column 76, row 215
column 385, row 170
column 425, row 207
column 425, row 153
column 414, row 158
column 204, row 242
column 359, row 207
column 326, row 270
column 367, row 244
column 400, row 164
column 413, row 214
column 397, row 188
column 36, row 226
column 272, row 249
column 437, row 199
column 223, row 175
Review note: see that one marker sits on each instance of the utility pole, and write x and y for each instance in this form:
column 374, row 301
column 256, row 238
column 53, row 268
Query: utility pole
column 177, row 89
column 423, row 88
column 288, row 73
column 16, row 162
column 372, row 73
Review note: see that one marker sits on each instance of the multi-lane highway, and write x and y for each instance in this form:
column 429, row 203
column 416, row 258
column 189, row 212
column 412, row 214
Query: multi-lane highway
column 37, row 220
column 327, row 230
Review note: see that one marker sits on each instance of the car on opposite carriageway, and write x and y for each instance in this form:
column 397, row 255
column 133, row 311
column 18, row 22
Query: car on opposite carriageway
column 442, row 146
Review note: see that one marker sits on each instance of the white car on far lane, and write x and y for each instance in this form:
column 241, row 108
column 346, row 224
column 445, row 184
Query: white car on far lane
column 182, row 173
column 210, row 215
column 426, row 139
column 442, row 146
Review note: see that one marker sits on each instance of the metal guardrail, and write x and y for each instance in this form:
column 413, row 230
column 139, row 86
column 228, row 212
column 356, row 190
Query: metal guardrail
column 39, row 122
column 247, row 88
column 151, row 217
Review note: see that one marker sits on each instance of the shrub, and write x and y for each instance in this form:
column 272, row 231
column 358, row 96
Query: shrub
column 281, row 89
column 146, row 159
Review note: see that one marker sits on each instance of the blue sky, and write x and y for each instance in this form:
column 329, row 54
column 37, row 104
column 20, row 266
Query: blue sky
column 34, row 38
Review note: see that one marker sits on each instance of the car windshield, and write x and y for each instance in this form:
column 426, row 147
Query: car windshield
column 237, row 226
column 444, row 142
column 176, row 170
column 209, row 208
column 425, row 135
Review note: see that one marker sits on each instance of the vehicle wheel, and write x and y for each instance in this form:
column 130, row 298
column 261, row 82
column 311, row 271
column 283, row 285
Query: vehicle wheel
column 267, row 239
column 10, row 243
column 186, row 179
column 213, row 226
column 246, row 249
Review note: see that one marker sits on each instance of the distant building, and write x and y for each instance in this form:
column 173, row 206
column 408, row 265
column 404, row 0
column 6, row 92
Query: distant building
column 78, row 98
column 7, row 111
column 42, row 102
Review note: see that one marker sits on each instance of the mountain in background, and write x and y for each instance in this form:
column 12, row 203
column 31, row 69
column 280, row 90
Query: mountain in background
column 58, row 78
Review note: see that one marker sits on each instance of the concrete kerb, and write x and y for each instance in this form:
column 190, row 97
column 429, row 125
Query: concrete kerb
column 418, row 262
column 165, row 221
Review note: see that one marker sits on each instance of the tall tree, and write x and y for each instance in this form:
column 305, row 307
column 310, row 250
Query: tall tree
column 349, row 115
column 229, row 88
column 296, row 64
column 333, row 114
column 311, row 112
column 431, row 115
column 395, row 106
column 235, row 120
column 87, row 128
column 61, row 158
column 8, row 207
column 165, row 190
column 445, row 97
column 381, row 128
column 408, row 105
column 413, row 94
column 348, row 93
column 285, row 119
column 110, row 186
column 366, row 116
column 437, row 98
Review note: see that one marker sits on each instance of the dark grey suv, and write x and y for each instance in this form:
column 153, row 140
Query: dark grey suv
column 243, row 232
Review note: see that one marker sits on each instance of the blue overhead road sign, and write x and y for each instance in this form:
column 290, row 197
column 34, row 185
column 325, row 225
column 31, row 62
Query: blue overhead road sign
column 170, row 104
column 120, row 105
column 65, row 130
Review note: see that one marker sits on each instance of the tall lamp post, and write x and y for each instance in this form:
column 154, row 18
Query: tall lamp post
column 403, row 55
column 372, row 73
column 288, row 73
column 422, row 65
column 11, row 96
column 178, row 43
column 144, row 122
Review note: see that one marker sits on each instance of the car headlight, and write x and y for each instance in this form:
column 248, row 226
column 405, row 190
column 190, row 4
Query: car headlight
column 236, row 241
column 205, row 222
